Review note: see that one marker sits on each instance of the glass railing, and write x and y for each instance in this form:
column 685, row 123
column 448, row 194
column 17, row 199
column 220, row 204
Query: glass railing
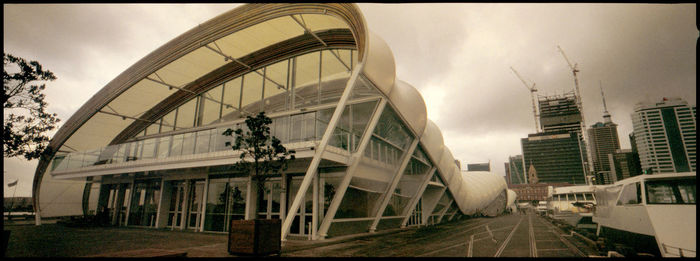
column 303, row 127
column 289, row 129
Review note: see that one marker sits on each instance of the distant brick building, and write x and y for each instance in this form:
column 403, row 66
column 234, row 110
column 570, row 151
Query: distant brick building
column 534, row 192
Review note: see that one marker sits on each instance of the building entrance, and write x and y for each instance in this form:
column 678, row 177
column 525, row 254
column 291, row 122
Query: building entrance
column 302, row 219
column 117, row 202
column 177, row 198
column 194, row 213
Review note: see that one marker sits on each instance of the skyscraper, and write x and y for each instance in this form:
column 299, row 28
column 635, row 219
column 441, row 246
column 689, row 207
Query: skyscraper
column 623, row 164
column 556, row 156
column 664, row 133
column 516, row 170
column 603, row 140
column 558, row 153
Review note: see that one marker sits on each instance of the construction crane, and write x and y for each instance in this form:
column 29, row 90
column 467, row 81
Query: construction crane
column 532, row 95
column 579, row 104
column 606, row 115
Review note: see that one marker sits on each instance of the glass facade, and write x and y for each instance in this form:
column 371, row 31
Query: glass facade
column 189, row 181
column 144, row 203
column 225, row 202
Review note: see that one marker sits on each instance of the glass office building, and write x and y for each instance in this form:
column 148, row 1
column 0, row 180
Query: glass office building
column 148, row 151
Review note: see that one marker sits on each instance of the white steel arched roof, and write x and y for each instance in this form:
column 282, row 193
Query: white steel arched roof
column 230, row 44
column 409, row 103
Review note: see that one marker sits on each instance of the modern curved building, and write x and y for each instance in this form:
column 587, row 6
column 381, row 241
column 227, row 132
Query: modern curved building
column 147, row 149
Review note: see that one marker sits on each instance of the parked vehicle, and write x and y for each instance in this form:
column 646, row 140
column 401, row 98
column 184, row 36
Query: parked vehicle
column 652, row 214
column 573, row 205
column 541, row 207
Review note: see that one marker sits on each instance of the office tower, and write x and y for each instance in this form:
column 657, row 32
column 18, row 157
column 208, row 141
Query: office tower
column 516, row 170
column 623, row 164
column 633, row 143
column 507, row 169
column 603, row 140
column 558, row 153
column 664, row 134
column 556, row 156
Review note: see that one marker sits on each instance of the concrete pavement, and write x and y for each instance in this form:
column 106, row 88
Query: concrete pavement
column 505, row 236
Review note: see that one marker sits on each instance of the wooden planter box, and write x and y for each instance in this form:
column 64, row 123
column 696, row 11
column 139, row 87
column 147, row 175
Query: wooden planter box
column 255, row 237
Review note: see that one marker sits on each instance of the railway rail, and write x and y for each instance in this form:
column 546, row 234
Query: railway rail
column 527, row 235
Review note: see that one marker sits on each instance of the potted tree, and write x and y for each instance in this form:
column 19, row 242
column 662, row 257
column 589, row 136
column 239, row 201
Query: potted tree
column 262, row 156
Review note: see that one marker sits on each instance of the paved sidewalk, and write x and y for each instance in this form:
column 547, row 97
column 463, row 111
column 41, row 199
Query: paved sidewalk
column 507, row 236
column 53, row 240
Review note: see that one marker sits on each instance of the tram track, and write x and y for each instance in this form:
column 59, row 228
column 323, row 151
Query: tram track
column 470, row 243
column 552, row 249
column 460, row 232
column 505, row 236
column 400, row 243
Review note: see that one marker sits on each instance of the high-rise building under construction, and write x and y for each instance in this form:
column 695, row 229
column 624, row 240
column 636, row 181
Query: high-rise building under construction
column 559, row 113
column 558, row 153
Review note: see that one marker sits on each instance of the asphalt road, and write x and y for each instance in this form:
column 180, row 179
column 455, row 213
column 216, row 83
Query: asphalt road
column 516, row 235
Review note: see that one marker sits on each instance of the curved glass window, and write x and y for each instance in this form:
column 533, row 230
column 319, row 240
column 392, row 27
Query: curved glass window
column 252, row 92
column 298, row 82
column 306, row 79
column 168, row 123
column 211, row 105
column 185, row 115
column 232, row 99
column 274, row 98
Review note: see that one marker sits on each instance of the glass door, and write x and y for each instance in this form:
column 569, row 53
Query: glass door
column 194, row 216
column 269, row 206
column 177, row 197
column 117, row 203
column 144, row 203
column 303, row 217
column 112, row 201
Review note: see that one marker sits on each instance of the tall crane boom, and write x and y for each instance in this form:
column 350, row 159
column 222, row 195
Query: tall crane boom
column 532, row 95
column 574, row 70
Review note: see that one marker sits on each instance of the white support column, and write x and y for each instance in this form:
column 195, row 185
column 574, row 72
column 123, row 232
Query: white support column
column 37, row 205
column 350, row 171
column 442, row 214
column 162, row 213
column 412, row 204
column 313, row 165
column 283, row 197
column 185, row 205
column 453, row 214
column 429, row 209
column 128, row 201
column 390, row 190
column 37, row 216
column 314, row 208
column 205, row 194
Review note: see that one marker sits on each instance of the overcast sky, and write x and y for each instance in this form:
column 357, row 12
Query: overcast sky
column 457, row 55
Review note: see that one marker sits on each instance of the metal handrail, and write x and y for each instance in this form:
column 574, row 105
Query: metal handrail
column 680, row 250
